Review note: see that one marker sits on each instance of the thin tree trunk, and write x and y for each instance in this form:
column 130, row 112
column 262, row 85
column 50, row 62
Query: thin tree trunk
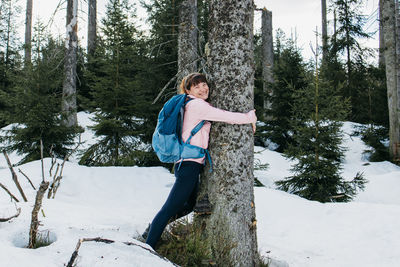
column 268, row 61
column 381, row 41
column 35, row 212
column 187, row 39
column 68, row 106
column 324, row 31
column 334, row 26
column 231, row 227
column 28, row 31
column 92, row 26
column 389, row 28
column 8, row 35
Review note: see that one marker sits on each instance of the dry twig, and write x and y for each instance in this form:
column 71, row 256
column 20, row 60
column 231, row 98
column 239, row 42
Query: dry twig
column 56, row 181
column 34, row 188
column 14, row 176
column 8, row 191
column 14, row 216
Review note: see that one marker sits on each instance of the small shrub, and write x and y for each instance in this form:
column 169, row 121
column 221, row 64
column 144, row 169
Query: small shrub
column 183, row 244
column 374, row 137
column 42, row 240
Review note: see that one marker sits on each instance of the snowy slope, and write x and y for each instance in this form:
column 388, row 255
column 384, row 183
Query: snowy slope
column 118, row 202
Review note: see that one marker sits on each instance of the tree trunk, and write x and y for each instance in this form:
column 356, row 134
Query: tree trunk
column 187, row 39
column 28, row 32
column 231, row 227
column 389, row 29
column 69, row 86
column 324, row 31
column 381, row 41
column 92, row 26
column 8, row 35
column 268, row 61
column 397, row 18
column 33, row 230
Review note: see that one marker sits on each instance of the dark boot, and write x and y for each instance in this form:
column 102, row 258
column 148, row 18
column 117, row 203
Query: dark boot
column 203, row 206
column 146, row 232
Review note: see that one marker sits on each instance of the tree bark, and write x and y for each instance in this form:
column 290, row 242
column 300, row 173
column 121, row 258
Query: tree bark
column 187, row 39
column 389, row 29
column 268, row 61
column 231, row 227
column 397, row 18
column 28, row 31
column 324, row 31
column 381, row 59
column 92, row 26
column 68, row 106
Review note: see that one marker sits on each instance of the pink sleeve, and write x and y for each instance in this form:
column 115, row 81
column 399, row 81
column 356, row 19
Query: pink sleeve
column 205, row 111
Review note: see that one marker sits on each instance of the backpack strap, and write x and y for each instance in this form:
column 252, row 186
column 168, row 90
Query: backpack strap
column 195, row 130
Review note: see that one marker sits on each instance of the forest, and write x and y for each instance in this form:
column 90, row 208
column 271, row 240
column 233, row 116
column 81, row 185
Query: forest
column 123, row 75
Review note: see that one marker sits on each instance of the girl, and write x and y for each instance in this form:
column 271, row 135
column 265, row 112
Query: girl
column 182, row 197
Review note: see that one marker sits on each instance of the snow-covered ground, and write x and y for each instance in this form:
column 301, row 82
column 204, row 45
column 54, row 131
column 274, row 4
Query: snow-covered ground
column 118, row 202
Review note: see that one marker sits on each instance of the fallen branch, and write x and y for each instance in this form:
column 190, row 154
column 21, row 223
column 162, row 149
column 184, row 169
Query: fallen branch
column 108, row 241
column 11, row 195
column 14, row 176
column 78, row 245
column 36, row 208
column 14, row 216
column 27, row 179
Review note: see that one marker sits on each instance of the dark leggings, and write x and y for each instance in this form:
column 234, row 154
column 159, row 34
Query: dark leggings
column 180, row 201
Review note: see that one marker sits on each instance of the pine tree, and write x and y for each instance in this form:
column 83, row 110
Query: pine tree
column 114, row 90
column 350, row 22
column 36, row 100
column 10, row 59
column 318, row 110
column 289, row 75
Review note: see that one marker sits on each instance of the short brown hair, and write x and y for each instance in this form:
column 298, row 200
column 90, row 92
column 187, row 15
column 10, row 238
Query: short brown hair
column 190, row 80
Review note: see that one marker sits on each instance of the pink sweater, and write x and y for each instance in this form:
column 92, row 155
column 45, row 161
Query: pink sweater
column 198, row 110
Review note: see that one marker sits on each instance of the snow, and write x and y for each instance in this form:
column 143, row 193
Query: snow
column 117, row 203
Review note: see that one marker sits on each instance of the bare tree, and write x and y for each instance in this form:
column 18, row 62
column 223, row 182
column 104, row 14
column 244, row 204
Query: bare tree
column 231, row 226
column 28, row 31
column 324, row 30
column 92, row 26
column 68, row 106
column 267, row 60
column 187, row 39
column 381, row 41
column 391, row 57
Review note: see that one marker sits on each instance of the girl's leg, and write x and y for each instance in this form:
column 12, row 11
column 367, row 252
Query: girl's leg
column 188, row 206
column 186, row 180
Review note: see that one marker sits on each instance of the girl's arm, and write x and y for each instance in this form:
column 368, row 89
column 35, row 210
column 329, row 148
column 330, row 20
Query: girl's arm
column 205, row 111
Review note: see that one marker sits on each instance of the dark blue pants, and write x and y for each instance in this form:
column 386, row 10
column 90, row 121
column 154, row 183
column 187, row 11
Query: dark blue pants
column 180, row 201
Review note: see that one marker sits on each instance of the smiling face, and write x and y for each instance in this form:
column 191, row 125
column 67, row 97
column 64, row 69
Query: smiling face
column 199, row 90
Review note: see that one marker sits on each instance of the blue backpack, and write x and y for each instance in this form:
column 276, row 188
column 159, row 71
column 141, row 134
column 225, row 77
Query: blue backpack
column 167, row 138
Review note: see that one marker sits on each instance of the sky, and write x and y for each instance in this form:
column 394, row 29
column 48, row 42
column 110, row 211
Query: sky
column 295, row 17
